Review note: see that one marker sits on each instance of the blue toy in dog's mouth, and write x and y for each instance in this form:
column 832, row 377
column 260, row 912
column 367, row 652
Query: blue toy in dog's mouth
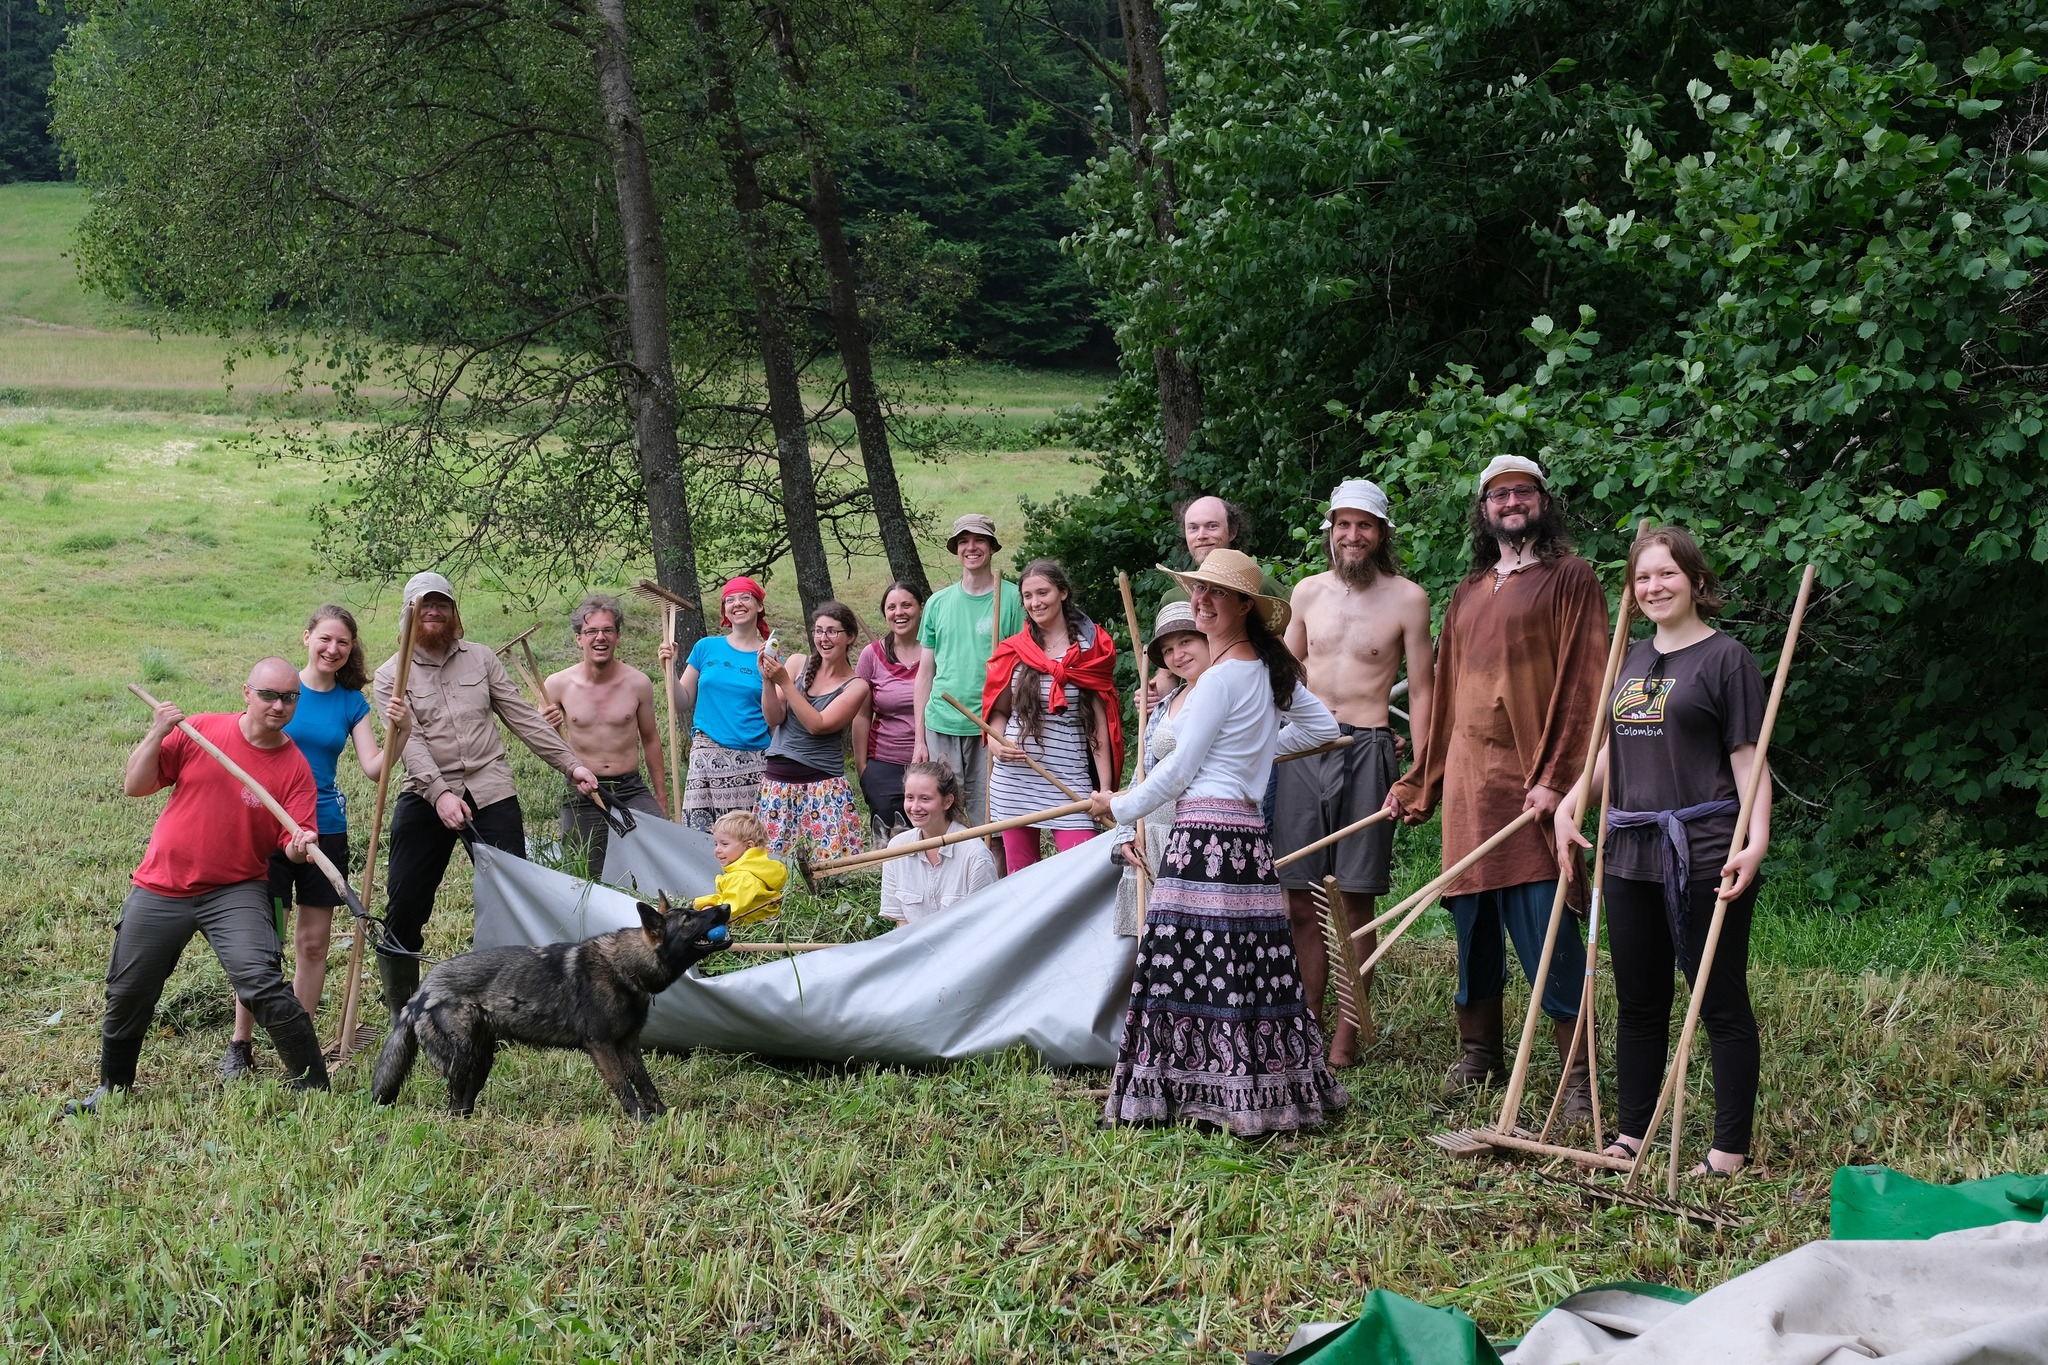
column 717, row 934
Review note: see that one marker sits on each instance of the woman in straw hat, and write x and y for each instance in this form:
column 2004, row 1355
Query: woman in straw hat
column 1179, row 652
column 1217, row 1030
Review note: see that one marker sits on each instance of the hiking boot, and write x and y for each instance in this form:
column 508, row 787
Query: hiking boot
column 90, row 1105
column 401, row 977
column 240, row 1060
column 1578, row 1094
column 117, row 1072
column 1481, row 1035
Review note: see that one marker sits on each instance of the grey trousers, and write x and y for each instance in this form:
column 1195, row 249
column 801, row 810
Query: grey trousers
column 152, row 936
column 968, row 757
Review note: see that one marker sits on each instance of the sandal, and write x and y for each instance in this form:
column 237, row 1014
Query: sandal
column 1708, row 1170
column 1626, row 1149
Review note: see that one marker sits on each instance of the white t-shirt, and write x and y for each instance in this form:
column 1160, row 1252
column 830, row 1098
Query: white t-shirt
column 1226, row 737
column 913, row 889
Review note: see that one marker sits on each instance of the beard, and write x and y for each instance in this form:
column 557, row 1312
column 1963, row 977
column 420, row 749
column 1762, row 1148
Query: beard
column 435, row 634
column 1355, row 568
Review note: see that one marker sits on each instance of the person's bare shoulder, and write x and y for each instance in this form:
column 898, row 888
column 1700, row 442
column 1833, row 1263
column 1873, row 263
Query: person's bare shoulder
column 1310, row 590
column 563, row 678
column 1408, row 595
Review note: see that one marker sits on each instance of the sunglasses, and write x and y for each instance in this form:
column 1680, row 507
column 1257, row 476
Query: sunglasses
column 290, row 698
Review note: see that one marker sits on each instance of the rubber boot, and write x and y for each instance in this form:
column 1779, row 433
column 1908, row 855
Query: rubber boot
column 401, row 977
column 1578, row 1095
column 1481, row 1035
column 298, row 1047
column 117, row 1072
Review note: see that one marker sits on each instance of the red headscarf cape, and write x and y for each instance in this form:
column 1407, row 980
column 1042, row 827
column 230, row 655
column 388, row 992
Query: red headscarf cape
column 1094, row 669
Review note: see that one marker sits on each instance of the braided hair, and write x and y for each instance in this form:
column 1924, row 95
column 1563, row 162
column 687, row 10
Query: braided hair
column 1025, row 702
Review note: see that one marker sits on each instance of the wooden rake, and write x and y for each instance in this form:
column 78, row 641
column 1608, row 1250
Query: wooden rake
column 1353, row 1000
column 672, row 605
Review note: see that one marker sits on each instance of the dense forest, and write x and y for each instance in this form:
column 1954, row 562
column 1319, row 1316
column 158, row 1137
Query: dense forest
column 1769, row 271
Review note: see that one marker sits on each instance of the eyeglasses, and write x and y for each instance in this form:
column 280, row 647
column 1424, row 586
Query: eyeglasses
column 827, row 630
column 290, row 698
column 1521, row 491
column 599, row 630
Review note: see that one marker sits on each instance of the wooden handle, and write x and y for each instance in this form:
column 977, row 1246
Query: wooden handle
column 1434, row 887
column 670, row 672
column 995, row 738
column 1674, row 1081
column 1141, row 709
column 855, row 862
column 1328, row 839
column 1511, row 1102
column 394, row 746
column 235, row 770
column 1340, row 742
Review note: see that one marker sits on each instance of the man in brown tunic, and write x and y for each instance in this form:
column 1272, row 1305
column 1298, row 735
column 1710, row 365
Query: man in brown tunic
column 1518, row 671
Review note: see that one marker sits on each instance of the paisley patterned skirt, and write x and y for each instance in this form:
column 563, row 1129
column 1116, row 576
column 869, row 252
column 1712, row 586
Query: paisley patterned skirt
column 719, row 780
column 819, row 816
column 1217, row 1030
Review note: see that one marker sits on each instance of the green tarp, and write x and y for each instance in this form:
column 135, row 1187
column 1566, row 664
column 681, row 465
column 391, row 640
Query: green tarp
column 1876, row 1203
column 1867, row 1203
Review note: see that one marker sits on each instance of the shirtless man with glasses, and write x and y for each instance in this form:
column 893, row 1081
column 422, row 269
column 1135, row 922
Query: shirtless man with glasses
column 608, row 711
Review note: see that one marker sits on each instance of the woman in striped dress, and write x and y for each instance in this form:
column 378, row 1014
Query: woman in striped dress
column 1051, row 694
column 1217, row 1030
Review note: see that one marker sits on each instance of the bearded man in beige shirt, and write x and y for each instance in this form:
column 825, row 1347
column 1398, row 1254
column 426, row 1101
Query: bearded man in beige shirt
column 457, row 775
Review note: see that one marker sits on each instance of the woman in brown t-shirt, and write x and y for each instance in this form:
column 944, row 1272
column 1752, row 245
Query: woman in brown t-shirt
column 1682, row 729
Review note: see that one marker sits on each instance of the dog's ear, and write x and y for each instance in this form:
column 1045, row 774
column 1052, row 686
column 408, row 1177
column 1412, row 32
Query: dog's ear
column 651, row 921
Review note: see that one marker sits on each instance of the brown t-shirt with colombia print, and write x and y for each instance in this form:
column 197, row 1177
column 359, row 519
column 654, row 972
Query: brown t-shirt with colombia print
column 1675, row 718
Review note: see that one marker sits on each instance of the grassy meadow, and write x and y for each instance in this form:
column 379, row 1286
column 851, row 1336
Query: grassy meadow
column 803, row 1213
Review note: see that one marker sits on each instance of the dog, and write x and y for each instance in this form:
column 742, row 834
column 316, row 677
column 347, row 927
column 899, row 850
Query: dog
column 591, row 995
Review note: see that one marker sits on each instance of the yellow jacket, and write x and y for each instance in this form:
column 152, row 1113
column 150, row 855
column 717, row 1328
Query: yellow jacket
column 751, row 884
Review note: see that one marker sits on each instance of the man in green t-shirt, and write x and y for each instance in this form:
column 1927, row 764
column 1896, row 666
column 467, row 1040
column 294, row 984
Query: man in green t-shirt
column 958, row 635
column 1209, row 523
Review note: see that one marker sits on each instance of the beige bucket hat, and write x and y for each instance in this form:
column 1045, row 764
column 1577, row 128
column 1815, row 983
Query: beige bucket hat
column 1236, row 572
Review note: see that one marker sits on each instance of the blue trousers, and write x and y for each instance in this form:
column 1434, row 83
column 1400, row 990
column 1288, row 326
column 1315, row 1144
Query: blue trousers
column 1523, row 912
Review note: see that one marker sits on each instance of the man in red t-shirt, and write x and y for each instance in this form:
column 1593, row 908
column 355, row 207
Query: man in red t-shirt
column 206, row 872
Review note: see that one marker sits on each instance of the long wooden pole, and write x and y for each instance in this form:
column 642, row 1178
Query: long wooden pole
column 1328, row 839
column 1419, row 902
column 394, row 748
column 989, row 733
column 1582, row 1030
column 1674, row 1080
column 670, row 672
column 1142, row 707
column 855, row 862
column 1433, row 888
column 241, row 775
column 1511, row 1102
column 1340, row 742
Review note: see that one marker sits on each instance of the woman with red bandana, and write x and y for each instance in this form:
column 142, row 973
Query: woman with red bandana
column 719, row 692
column 1051, row 694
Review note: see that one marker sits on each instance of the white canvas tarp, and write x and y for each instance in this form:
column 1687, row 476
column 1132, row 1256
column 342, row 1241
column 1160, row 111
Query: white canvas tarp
column 1975, row 1297
column 1030, row 960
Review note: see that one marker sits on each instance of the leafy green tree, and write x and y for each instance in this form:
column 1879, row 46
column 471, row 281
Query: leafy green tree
column 1859, row 379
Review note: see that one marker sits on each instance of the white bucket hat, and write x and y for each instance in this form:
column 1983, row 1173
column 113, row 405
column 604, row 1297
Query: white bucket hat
column 1512, row 464
column 1360, row 495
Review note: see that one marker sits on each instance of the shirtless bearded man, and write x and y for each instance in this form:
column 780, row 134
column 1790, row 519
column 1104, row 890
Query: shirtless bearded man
column 609, row 710
column 1353, row 626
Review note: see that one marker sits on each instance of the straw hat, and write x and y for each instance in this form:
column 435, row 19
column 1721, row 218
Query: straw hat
column 1235, row 571
column 1173, row 619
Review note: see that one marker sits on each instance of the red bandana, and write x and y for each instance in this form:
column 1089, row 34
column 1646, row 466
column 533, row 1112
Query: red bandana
column 1093, row 669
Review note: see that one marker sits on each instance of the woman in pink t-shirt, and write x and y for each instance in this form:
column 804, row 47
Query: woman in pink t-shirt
column 885, row 733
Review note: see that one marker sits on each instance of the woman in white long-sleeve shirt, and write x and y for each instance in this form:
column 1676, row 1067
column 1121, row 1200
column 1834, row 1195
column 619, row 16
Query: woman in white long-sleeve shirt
column 1217, row 1030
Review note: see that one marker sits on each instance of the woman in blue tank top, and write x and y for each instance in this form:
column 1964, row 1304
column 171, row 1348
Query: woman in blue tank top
column 331, row 712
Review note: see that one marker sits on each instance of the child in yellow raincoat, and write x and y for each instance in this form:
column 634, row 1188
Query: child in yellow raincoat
column 752, row 882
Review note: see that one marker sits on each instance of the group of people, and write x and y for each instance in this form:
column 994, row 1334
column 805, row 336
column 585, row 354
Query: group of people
column 996, row 699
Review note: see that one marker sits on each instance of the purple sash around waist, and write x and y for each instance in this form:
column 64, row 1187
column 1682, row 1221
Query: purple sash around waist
column 1677, row 852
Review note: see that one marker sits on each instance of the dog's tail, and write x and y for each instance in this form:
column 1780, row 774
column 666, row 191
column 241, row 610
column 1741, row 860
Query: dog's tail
column 401, row 1050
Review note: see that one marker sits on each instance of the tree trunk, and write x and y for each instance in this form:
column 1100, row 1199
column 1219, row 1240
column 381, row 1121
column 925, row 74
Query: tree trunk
column 652, row 383
column 771, row 326
column 848, row 330
column 1180, row 388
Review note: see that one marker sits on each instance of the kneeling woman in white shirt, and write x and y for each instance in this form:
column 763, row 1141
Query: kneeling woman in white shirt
column 919, row 885
column 1217, row 1030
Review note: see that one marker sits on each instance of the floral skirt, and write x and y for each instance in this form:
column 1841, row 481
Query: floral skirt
column 719, row 780
column 1217, row 1029
column 815, row 815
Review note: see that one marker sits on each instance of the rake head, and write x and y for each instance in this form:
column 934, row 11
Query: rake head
column 652, row 591
column 340, row 1050
column 1343, row 959
column 1706, row 1215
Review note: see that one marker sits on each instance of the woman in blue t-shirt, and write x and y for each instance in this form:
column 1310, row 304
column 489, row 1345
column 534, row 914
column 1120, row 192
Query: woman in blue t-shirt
column 330, row 713
column 720, row 690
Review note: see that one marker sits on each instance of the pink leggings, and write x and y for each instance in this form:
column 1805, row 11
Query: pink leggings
column 1020, row 846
